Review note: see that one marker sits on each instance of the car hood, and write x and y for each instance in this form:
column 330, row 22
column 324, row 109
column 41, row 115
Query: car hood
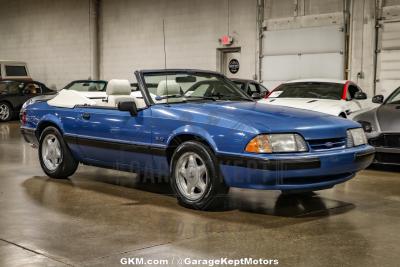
column 389, row 117
column 260, row 118
column 332, row 107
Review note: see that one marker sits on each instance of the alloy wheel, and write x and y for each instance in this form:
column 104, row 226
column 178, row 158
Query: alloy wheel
column 51, row 152
column 191, row 176
column 4, row 112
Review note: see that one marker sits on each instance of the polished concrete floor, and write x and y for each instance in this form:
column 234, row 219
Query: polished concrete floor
column 100, row 216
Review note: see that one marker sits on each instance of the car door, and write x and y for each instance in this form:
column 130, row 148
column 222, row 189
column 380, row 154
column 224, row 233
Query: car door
column 113, row 138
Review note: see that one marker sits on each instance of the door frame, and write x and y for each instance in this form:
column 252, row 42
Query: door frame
column 221, row 52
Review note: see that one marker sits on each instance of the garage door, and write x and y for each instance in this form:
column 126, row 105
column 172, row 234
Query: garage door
column 388, row 61
column 316, row 52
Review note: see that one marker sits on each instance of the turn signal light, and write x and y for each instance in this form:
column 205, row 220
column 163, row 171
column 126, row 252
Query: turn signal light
column 259, row 144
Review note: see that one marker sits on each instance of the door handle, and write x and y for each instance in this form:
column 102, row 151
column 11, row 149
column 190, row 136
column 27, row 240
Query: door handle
column 86, row 116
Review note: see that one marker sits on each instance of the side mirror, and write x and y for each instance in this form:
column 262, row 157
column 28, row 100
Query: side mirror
column 256, row 96
column 129, row 106
column 378, row 99
column 360, row 96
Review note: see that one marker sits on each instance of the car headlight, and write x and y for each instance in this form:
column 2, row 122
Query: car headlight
column 367, row 126
column 277, row 143
column 356, row 137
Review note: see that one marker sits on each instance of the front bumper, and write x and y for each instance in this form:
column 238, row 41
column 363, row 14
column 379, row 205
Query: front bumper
column 386, row 155
column 387, row 146
column 306, row 171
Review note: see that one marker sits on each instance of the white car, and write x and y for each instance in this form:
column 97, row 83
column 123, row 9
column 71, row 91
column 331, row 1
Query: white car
column 335, row 97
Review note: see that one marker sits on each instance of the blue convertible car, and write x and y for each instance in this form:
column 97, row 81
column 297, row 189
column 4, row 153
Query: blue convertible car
column 196, row 128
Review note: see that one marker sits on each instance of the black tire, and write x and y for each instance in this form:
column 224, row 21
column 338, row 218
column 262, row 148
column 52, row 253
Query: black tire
column 68, row 164
column 5, row 105
column 215, row 189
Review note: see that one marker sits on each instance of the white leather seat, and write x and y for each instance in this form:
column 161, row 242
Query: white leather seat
column 118, row 91
column 168, row 88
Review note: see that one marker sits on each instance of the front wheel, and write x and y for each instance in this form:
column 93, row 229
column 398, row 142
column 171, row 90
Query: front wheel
column 54, row 155
column 196, row 179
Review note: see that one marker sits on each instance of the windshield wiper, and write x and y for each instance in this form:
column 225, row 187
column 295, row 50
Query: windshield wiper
column 202, row 97
column 158, row 98
column 236, row 98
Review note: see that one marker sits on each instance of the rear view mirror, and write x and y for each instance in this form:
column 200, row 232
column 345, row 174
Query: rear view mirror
column 256, row 96
column 378, row 99
column 129, row 106
column 186, row 79
column 360, row 96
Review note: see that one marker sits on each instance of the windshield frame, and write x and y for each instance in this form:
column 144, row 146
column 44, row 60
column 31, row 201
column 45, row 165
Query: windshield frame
column 140, row 76
column 391, row 96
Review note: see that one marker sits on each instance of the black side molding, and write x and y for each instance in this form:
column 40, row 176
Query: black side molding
column 272, row 165
column 136, row 148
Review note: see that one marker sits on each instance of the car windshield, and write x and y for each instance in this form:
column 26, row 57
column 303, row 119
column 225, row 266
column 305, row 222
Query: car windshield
column 394, row 98
column 240, row 84
column 87, row 86
column 183, row 87
column 332, row 91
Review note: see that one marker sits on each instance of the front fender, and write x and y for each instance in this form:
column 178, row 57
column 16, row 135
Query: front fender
column 196, row 131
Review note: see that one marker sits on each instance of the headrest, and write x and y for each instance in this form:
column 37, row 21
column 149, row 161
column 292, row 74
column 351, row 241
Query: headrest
column 168, row 87
column 118, row 87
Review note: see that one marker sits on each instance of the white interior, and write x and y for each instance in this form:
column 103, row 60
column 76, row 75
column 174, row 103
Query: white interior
column 117, row 91
column 70, row 99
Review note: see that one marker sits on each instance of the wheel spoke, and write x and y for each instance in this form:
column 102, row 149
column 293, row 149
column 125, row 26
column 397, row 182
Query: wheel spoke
column 189, row 188
column 192, row 161
column 201, row 185
column 201, row 170
column 183, row 172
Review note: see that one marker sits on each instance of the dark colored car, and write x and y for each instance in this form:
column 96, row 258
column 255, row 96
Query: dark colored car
column 13, row 94
column 252, row 88
column 382, row 126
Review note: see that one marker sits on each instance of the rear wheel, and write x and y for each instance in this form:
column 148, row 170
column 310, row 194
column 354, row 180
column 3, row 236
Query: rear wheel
column 196, row 179
column 6, row 112
column 54, row 155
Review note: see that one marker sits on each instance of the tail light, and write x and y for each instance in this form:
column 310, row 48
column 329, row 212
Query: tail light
column 23, row 118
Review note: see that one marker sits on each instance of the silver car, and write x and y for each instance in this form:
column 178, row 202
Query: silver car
column 382, row 126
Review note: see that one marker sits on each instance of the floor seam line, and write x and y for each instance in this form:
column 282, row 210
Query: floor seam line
column 34, row 251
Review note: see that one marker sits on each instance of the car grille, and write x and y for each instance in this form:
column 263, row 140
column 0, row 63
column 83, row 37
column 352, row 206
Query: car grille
column 386, row 140
column 390, row 158
column 323, row 144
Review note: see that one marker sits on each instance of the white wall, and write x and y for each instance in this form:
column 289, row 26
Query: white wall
column 132, row 35
column 51, row 36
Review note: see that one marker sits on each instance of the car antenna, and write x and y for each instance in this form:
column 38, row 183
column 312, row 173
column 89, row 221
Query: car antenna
column 165, row 58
